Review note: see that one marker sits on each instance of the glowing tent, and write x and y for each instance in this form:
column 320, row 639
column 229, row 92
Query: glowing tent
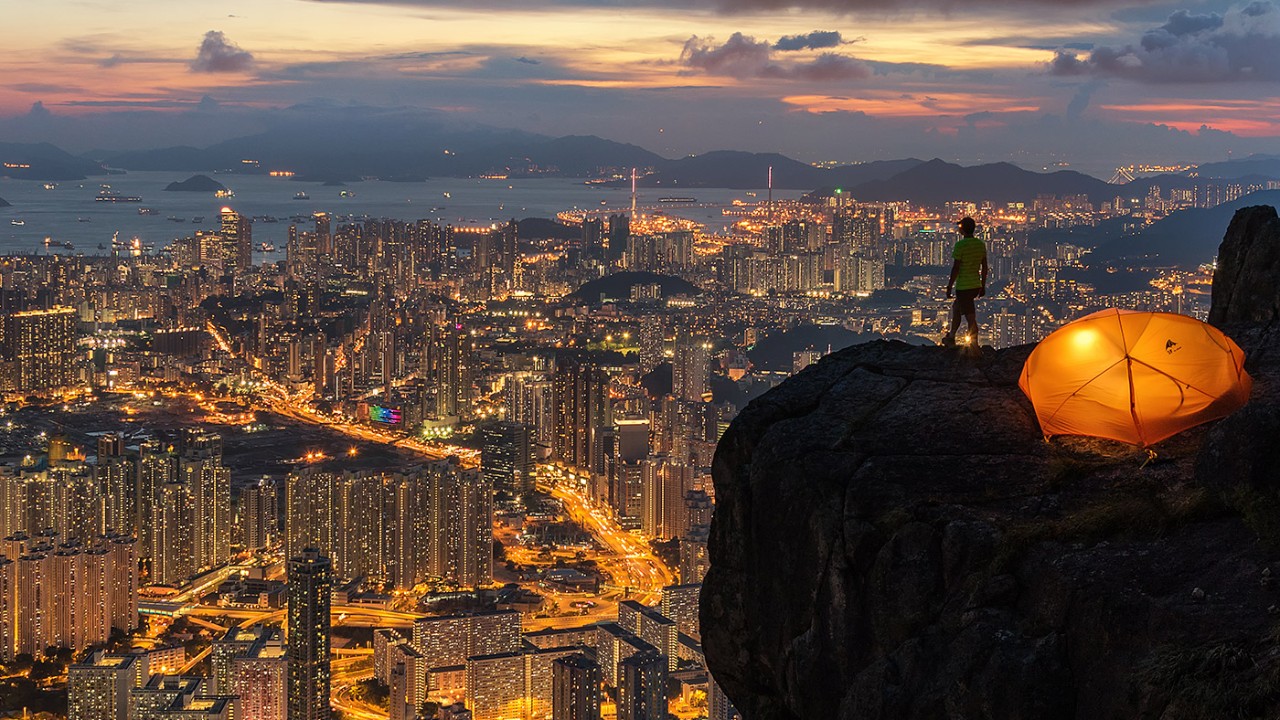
column 1136, row 377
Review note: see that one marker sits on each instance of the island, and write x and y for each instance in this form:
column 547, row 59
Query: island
column 3, row 203
column 196, row 183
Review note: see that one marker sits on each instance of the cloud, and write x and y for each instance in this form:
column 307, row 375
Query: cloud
column 816, row 40
column 742, row 56
column 528, row 61
column 1240, row 45
column 219, row 55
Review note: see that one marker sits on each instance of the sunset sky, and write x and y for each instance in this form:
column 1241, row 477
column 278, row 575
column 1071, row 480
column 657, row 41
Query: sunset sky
column 1035, row 82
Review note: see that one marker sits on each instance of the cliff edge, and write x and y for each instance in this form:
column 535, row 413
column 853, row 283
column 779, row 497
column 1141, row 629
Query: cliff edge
column 894, row 539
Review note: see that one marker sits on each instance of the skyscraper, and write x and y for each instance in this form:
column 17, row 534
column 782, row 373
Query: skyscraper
column 579, row 385
column 98, row 689
column 691, row 367
column 259, row 515
column 42, row 346
column 237, row 241
column 575, row 688
column 209, row 483
column 642, row 687
column 310, row 583
column 506, row 457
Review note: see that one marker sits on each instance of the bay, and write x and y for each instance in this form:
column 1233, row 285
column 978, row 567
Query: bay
column 68, row 213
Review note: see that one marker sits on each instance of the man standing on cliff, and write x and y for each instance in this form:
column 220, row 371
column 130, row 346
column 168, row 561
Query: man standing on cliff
column 969, row 278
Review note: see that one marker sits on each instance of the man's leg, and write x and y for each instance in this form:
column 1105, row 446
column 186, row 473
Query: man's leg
column 972, row 328
column 955, row 323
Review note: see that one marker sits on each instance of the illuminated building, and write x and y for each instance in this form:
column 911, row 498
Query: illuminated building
column 461, row 513
column 651, row 626
column 237, row 241
column 117, row 478
column 35, row 614
column 384, row 641
column 156, row 468
column 680, row 604
column 173, row 535
column 250, row 665
column 310, row 584
column 614, row 644
column 719, row 706
column 42, row 346
column 579, row 387
column 259, row 515
column 663, row 486
column 575, row 688
column 209, row 484
column 506, row 457
column 450, row 639
column 694, row 561
column 98, row 689
column 642, row 687
column 495, row 686
column 530, row 402
column 309, row 498
column 8, row 609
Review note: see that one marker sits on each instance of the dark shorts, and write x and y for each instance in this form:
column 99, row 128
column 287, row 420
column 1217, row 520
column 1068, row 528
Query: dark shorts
column 964, row 301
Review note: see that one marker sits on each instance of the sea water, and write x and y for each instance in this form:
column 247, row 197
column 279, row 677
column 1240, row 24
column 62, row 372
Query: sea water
column 67, row 212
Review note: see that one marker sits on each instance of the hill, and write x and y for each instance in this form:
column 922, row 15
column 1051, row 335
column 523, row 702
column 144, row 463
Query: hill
column 1266, row 166
column 1186, row 237
column 4, row 203
column 936, row 182
column 618, row 286
column 395, row 148
column 895, row 538
column 750, row 171
column 42, row 161
column 196, row 183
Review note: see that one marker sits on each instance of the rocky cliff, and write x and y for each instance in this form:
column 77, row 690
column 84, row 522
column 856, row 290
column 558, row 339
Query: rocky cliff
column 894, row 539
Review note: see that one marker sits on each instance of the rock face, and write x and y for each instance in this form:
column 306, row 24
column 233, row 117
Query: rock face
column 894, row 539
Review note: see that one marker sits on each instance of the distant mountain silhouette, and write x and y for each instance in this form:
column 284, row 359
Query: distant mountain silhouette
column 936, row 182
column 394, row 148
column 196, row 183
column 618, row 286
column 1186, row 237
column 4, row 203
column 42, row 161
column 545, row 229
column 1267, row 166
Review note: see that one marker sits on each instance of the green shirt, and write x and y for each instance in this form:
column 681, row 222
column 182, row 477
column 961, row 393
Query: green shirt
column 971, row 252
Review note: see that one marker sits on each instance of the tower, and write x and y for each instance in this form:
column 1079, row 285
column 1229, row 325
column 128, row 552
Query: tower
column 237, row 241
column 310, row 582
column 575, row 683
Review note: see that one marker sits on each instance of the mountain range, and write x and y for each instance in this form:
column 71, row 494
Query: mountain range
column 413, row 148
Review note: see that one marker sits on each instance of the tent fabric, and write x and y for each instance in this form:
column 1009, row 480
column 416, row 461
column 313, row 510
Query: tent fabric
column 1135, row 377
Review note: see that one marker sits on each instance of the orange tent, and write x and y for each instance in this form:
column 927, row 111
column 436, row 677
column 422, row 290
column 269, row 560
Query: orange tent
column 1136, row 377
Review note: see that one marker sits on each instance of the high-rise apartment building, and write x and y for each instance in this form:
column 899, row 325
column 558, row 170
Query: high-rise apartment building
column 663, row 486
column 259, row 513
column 691, row 367
column 98, row 689
column 642, row 687
column 310, row 584
column 579, row 385
column 506, row 457
column 209, row 485
column 42, row 346
column 575, row 688
column 237, row 241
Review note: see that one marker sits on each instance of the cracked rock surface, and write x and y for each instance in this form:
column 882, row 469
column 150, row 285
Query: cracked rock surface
column 894, row 539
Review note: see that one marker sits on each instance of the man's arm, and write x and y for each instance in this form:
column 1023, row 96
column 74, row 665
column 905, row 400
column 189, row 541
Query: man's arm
column 955, row 271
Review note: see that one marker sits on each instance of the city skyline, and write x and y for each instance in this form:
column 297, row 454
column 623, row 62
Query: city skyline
column 830, row 81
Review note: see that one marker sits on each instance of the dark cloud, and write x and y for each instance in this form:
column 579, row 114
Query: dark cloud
column 816, row 40
column 217, row 54
column 1242, row 44
column 528, row 61
column 742, row 56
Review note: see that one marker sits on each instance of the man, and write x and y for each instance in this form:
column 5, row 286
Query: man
column 969, row 278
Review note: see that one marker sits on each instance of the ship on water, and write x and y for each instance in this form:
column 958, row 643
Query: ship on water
column 108, row 195
column 676, row 200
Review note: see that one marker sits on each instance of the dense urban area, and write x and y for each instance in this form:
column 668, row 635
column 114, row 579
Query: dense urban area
column 414, row 470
